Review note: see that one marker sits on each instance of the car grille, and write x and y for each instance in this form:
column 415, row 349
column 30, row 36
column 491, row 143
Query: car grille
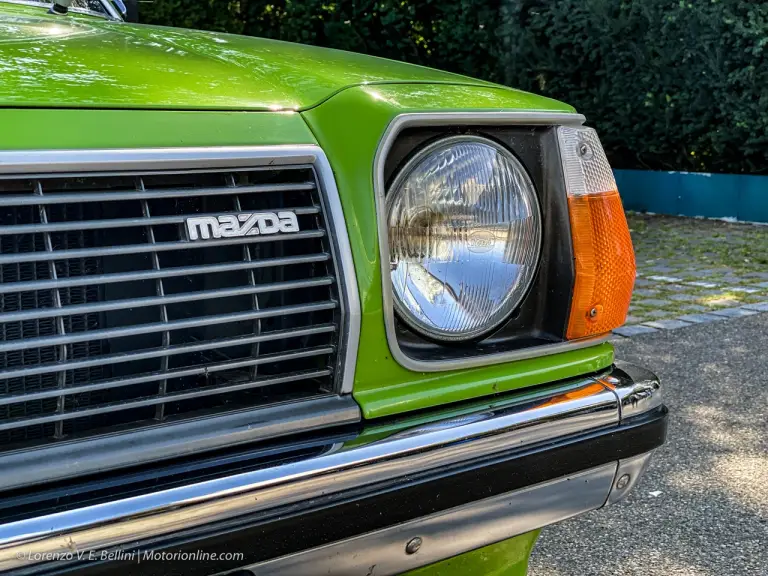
column 112, row 320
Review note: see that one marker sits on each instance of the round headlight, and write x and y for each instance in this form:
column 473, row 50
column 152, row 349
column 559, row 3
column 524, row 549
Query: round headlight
column 464, row 237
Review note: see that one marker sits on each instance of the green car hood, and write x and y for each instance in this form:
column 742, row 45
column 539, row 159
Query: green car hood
column 84, row 61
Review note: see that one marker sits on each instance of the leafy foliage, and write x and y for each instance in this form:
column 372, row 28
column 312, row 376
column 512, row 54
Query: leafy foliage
column 670, row 84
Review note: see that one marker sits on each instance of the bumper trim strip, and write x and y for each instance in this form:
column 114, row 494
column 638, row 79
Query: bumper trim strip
column 452, row 532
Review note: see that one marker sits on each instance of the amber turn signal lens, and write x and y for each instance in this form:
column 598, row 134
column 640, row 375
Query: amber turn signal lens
column 605, row 264
column 602, row 247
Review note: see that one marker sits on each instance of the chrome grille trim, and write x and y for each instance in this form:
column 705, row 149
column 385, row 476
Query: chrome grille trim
column 152, row 248
column 116, row 383
column 164, row 300
column 118, row 223
column 165, row 273
column 162, row 326
column 26, row 200
column 151, row 162
column 198, row 393
column 170, row 351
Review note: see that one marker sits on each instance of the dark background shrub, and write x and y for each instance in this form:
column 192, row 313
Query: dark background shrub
column 669, row 84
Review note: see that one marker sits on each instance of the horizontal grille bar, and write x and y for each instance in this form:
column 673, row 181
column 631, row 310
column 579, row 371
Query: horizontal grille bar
column 174, row 397
column 148, row 194
column 160, row 274
column 163, row 326
column 144, row 378
column 169, row 351
column 163, row 300
column 149, row 248
column 121, row 222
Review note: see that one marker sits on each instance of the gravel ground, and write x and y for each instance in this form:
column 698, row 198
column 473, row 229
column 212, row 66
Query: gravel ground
column 702, row 507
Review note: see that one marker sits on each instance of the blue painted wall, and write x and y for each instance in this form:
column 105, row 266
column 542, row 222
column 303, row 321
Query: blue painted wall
column 736, row 196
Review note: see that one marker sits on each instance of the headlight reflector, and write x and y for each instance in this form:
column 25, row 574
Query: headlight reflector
column 464, row 237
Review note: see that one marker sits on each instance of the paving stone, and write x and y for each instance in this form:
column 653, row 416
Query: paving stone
column 763, row 275
column 665, row 278
column 668, row 324
column 733, row 312
column 762, row 285
column 683, row 297
column 653, row 303
column 675, row 287
column 633, row 319
column 634, row 330
column 758, row 307
column 743, row 289
column 717, row 292
column 643, row 282
column 644, row 292
column 724, row 301
column 700, row 318
column 661, row 269
column 694, row 308
column 659, row 314
column 701, row 284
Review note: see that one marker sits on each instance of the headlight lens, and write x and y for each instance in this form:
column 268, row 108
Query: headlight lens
column 464, row 237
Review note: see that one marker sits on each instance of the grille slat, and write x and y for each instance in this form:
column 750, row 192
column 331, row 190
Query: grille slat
column 164, row 300
column 170, row 351
column 146, row 249
column 144, row 378
column 163, row 326
column 165, row 273
column 163, row 382
column 118, row 223
column 61, row 350
column 149, row 194
column 199, row 393
column 112, row 319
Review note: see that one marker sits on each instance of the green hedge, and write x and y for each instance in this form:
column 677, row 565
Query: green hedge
column 670, row 85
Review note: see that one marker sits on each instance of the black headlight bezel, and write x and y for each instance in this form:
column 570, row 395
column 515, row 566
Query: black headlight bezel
column 541, row 317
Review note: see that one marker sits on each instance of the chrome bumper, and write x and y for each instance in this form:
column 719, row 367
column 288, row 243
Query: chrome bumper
column 544, row 424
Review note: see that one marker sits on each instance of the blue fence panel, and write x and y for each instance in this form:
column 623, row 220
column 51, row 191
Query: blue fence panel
column 738, row 196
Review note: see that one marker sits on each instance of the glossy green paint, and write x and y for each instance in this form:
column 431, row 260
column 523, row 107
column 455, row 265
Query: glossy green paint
column 87, row 61
column 505, row 558
column 420, row 390
column 349, row 127
column 30, row 129
column 380, row 429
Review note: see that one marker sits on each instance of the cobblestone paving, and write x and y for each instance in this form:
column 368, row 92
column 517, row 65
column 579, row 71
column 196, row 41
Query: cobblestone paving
column 692, row 271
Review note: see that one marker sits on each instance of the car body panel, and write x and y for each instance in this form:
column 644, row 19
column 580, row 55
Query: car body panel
column 349, row 127
column 35, row 129
column 505, row 558
column 83, row 61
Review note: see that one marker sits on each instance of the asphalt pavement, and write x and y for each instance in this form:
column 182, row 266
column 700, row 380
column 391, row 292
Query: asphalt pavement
column 702, row 507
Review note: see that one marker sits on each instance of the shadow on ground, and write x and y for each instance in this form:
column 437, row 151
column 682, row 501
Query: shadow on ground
column 711, row 514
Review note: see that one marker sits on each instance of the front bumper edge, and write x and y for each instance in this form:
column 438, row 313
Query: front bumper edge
column 536, row 458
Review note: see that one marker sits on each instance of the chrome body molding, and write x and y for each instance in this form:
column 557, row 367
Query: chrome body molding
column 529, row 418
column 638, row 389
column 455, row 119
column 89, row 456
column 454, row 532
